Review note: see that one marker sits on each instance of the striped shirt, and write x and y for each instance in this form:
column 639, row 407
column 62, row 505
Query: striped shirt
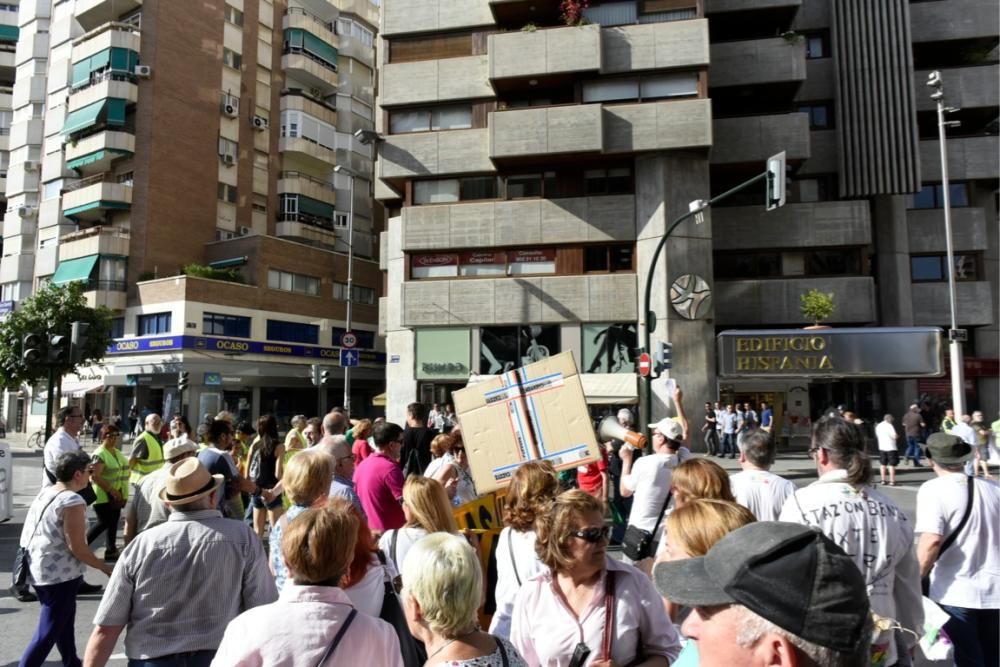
column 179, row 584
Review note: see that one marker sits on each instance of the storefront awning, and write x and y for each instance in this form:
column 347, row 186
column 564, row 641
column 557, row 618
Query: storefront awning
column 379, row 400
column 73, row 270
column 610, row 388
column 79, row 388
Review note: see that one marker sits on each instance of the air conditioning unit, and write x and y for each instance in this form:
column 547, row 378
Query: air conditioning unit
column 229, row 160
column 316, row 92
column 31, row 165
column 143, row 71
column 260, row 123
column 245, row 231
column 231, row 109
column 27, row 211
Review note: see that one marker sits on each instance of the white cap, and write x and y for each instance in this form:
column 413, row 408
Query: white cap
column 669, row 427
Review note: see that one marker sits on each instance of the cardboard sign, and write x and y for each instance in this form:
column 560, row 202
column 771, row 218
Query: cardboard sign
column 534, row 412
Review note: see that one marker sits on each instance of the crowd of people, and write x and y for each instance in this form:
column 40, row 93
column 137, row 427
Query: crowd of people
column 338, row 544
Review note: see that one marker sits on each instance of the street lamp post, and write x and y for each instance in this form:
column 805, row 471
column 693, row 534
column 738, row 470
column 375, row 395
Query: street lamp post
column 350, row 280
column 954, row 344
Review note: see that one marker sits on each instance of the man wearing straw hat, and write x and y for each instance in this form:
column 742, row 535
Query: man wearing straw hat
column 179, row 584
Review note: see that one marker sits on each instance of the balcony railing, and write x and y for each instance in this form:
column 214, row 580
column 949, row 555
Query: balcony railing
column 105, row 285
column 106, row 176
column 305, row 12
column 99, row 230
column 106, row 75
column 326, row 185
column 299, row 51
column 306, row 219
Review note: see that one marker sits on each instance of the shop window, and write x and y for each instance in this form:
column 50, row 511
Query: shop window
column 483, row 264
column 531, row 262
column 216, row 324
column 152, row 324
column 504, row 348
column 932, row 196
column 433, row 265
column 933, row 268
column 292, row 332
column 609, row 348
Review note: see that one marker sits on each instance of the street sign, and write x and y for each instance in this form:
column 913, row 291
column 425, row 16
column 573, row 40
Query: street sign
column 958, row 335
column 644, row 364
column 348, row 340
column 348, row 358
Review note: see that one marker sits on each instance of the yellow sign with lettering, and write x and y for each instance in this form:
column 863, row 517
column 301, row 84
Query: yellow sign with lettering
column 782, row 353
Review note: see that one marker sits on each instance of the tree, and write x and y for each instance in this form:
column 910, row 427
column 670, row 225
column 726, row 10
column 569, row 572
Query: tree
column 51, row 310
column 816, row 306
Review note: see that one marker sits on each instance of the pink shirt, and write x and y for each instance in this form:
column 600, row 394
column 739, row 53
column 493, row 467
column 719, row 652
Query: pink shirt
column 545, row 631
column 379, row 483
column 296, row 630
column 361, row 450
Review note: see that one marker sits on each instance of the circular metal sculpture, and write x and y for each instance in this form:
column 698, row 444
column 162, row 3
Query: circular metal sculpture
column 691, row 296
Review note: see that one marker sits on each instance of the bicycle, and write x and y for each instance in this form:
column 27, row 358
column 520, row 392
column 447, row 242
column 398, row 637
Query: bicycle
column 36, row 440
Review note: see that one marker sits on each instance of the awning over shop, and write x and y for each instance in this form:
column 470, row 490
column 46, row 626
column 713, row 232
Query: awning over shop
column 379, row 400
column 73, row 270
column 610, row 388
column 78, row 389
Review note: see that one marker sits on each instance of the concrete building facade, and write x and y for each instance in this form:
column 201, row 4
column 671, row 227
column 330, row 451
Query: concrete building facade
column 151, row 136
column 529, row 168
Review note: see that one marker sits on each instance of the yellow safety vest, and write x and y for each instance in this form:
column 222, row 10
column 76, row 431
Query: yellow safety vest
column 154, row 460
column 115, row 473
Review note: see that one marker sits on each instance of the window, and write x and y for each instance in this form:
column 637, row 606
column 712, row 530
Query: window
column 156, row 323
column 933, row 268
column 293, row 332
column 366, row 339
column 341, row 219
column 111, row 274
column 456, row 189
column 820, row 115
column 478, row 187
column 932, row 196
column 309, row 45
column 439, row 265
column 745, row 265
column 523, row 186
column 607, row 181
column 525, row 262
column 216, row 324
column 840, row 262
column 292, row 282
column 228, row 149
column 233, row 15
column 231, row 58
column 117, row 327
column 362, row 295
column 607, row 259
column 612, row 89
column 506, row 348
column 350, row 28
column 51, row 190
column 817, row 46
column 430, row 48
column 678, row 84
column 608, row 348
column 425, row 120
column 227, row 193
column 297, row 124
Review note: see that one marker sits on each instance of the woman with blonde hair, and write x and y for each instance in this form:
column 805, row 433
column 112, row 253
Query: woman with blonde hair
column 691, row 480
column 440, row 455
column 427, row 510
column 444, row 584
column 532, row 488
column 313, row 622
column 587, row 604
column 454, row 473
column 307, row 484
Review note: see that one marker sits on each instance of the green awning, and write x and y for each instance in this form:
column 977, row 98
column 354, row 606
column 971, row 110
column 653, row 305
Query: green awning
column 116, row 58
column 228, row 263
column 315, row 208
column 90, row 206
column 9, row 33
column 96, row 156
column 83, row 118
column 73, row 270
column 305, row 40
column 116, row 111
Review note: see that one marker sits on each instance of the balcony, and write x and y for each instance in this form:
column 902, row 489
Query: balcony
column 931, row 303
column 352, row 47
column 818, row 224
column 546, row 131
column 93, row 197
column 776, row 300
column 108, row 293
column 294, row 182
column 926, row 229
column 15, row 268
column 307, row 152
column 98, row 240
column 402, row 17
column 111, row 35
column 297, row 100
column 545, row 52
column 955, row 20
column 758, row 61
column 312, row 71
column 92, row 13
column 104, row 86
column 969, row 158
column 655, row 46
column 429, row 81
column 966, row 87
column 297, row 17
column 425, row 154
column 538, row 299
column 752, row 139
column 723, row 6
column 94, row 154
column 655, row 126
column 8, row 61
column 520, row 222
column 305, row 231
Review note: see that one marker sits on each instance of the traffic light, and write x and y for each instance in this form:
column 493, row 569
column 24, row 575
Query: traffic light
column 324, row 377
column 663, row 356
column 777, row 175
column 78, row 337
column 183, row 380
column 315, row 375
column 31, row 348
column 58, row 349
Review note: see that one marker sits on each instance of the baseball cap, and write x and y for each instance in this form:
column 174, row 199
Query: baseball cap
column 948, row 449
column 791, row 575
column 669, row 427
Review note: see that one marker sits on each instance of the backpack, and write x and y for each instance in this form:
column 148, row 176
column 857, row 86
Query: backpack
column 253, row 468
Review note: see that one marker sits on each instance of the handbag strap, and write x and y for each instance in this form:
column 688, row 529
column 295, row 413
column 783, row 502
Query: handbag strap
column 659, row 517
column 965, row 519
column 41, row 515
column 340, row 635
column 503, row 651
column 609, row 614
column 510, row 547
column 392, row 547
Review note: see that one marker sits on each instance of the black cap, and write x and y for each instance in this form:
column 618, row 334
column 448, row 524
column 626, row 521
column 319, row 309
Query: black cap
column 948, row 449
column 791, row 575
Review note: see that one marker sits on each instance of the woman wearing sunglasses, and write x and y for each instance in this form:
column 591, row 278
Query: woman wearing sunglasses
column 587, row 608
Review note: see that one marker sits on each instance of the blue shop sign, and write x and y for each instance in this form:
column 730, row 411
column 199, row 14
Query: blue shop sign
column 235, row 346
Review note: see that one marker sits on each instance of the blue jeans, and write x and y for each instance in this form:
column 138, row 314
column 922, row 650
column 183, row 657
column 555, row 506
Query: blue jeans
column 55, row 625
column 913, row 450
column 729, row 444
column 188, row 659
column 974, row 632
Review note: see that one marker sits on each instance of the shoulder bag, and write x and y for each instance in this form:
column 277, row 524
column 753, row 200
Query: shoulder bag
column 413, row 651
column 336, row 640
column 638, row 543
column 925, row 582
column 22, row 559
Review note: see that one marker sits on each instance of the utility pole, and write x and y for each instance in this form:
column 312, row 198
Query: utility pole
column 350, row 280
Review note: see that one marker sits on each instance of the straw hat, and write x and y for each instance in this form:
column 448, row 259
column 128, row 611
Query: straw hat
column 187, row 481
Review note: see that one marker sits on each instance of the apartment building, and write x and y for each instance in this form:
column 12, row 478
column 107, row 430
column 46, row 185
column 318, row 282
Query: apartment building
column 529, row 168
column 148, row 137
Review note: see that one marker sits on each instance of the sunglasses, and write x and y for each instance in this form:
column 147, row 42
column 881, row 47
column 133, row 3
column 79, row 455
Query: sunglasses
column 593, row 535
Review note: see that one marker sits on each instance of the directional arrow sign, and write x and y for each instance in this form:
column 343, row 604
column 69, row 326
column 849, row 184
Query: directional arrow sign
column 348, row 358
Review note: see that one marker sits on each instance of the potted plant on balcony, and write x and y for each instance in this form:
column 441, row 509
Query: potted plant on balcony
column 816, row 306
column 572, row 11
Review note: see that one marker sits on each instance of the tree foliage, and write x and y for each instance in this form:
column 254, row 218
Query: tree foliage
column 816, row 306
column 212, row 273
column 51, row 310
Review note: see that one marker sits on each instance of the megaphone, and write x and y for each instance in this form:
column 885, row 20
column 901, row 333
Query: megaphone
column 610, row 429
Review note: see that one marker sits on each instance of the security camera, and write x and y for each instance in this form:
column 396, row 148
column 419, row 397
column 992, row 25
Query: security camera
column 934, row 79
